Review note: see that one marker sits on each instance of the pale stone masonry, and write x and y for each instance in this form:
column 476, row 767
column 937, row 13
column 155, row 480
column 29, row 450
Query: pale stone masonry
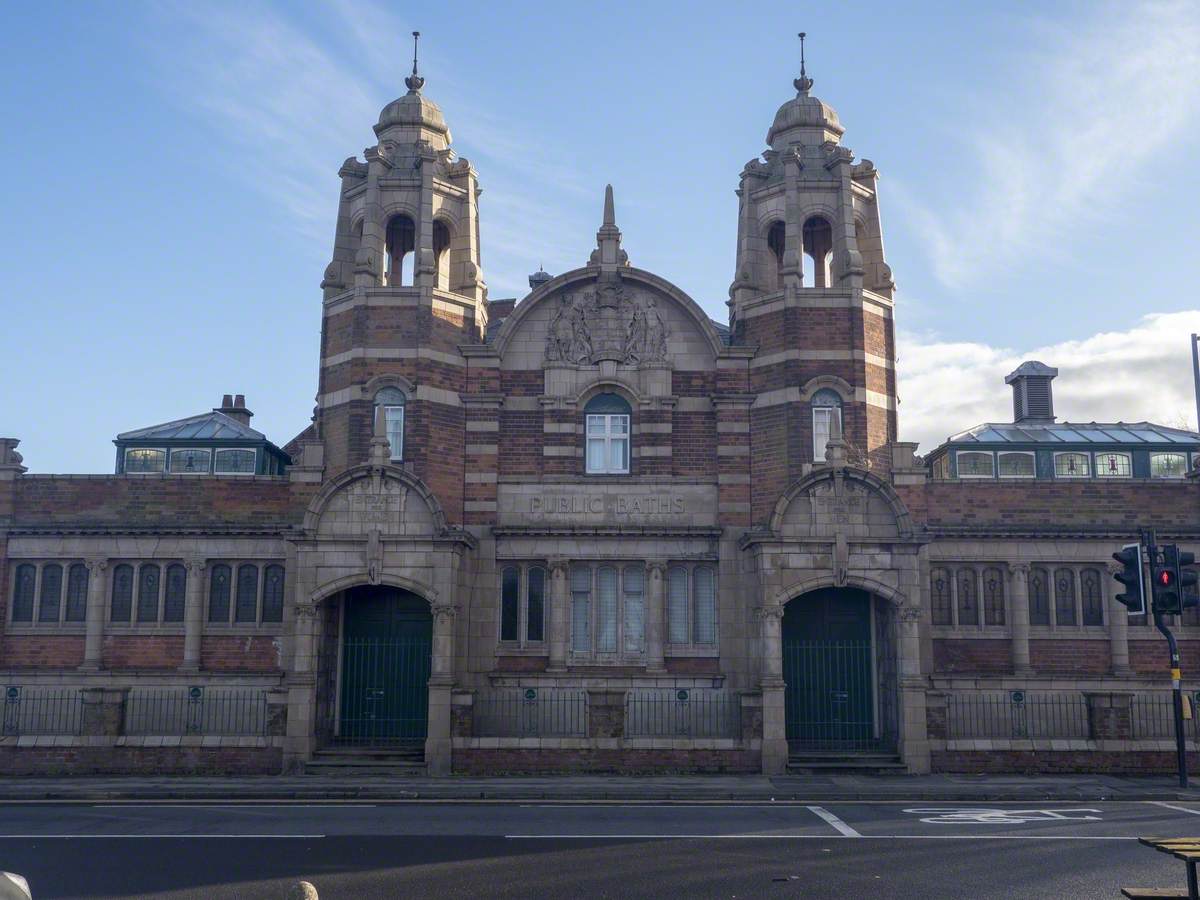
column 594, row 529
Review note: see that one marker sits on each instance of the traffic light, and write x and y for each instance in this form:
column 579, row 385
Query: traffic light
column 1164, row 580
column 1134, row 598
column 1186, row 578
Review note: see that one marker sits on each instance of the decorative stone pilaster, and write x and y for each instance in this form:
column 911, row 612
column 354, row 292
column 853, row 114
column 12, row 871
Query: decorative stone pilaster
column 656, row 571
column 193, row 615
column 1118, row 632
column 1110, row 715
column 441, row 683
column 914, row 736
column 301, row 683
column 774, row 737
column 93, row 644
column 103, row 713
column 559, row 597
column 1018, row 579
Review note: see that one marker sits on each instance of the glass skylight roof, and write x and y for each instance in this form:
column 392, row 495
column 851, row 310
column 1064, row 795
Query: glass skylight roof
column 1141, row 433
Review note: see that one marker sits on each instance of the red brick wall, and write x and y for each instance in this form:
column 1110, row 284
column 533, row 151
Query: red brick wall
column 41, row 651
column 1149, row 656
column 952, row 655
column 141, row 760
column 142, row 651
column 623, row 762
column 1070, row 657
column 239, row 653
column 1067, row 762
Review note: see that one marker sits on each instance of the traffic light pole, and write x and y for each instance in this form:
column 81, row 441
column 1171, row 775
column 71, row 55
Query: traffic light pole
column 1149, row 538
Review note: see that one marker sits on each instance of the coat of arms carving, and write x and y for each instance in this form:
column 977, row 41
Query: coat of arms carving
column 607, row 321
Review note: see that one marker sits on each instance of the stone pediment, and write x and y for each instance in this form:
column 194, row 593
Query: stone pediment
column 841, row 502
column 380, row 500
column 607, row 321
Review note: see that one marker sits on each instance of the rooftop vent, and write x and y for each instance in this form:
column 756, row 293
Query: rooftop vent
column 234, row 406
column 1033, row 399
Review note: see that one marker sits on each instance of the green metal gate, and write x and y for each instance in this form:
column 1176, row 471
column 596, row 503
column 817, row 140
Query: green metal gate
column 386, row 658
column 829, row 672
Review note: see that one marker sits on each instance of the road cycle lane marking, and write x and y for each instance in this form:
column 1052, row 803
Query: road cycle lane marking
column 974, row 815
column 837, row 824
column 1194, row 812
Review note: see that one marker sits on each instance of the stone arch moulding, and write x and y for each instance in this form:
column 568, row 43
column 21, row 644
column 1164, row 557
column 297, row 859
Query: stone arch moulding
column 838, row 385
column 871, row 482
column 627, row 392
column 333, row 487
column 448, row 217
column 397, row 208
column 818, row 210
column 376, row 384
column 424, row 591
column 634, row 276
column 810, row 582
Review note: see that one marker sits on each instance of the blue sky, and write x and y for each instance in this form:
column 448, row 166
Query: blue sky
column 169, row 182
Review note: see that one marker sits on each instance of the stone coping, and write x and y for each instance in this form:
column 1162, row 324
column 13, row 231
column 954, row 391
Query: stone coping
column 204, row 741
column 534, row 743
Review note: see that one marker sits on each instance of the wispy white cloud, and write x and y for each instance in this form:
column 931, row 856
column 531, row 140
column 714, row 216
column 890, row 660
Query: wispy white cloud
column 288, row 97
column 1143, row 374
column 1077, row 124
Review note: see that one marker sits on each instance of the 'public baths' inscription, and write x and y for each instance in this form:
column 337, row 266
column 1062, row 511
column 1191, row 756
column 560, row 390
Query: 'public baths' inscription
column 607, row 505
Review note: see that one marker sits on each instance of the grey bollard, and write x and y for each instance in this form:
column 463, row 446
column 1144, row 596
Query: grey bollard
column 302, row 890
column 14, row 887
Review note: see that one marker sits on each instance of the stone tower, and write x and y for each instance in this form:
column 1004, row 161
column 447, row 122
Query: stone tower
column 404, row 290
column 812, row 291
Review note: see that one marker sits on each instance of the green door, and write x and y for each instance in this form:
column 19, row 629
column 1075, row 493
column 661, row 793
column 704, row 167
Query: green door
column 827, row 668
column 387, row 648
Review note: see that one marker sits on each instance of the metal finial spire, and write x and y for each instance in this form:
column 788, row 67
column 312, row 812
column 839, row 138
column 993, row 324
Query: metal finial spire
column 803, row 83
column 415, row 82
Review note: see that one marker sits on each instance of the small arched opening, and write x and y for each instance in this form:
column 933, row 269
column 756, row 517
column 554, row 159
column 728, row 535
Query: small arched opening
column 608, row 421
column 773, row 276
column 441, row 255
column 839, row 668
column 818, row 251
column 826, row 420
column 401, row 244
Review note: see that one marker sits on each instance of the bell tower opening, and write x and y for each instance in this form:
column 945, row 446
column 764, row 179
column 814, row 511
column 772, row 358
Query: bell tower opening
column 818, row 252
column 401, row 244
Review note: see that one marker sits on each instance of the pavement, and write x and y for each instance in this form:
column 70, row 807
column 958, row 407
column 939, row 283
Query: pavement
column 690, row 788
column 221, row 850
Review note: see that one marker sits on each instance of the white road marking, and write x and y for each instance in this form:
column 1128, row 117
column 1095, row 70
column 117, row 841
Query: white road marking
column 943, row 815
column 1194, row 812
column 246, row 805
column 40, row 837
column 819, row 837
column 842, row 828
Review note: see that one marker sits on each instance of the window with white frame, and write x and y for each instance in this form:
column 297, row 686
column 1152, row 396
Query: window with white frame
column 1114, row 465
column 49, row 594
column 142, row 460
column 607, row 419
column 691, row 605
column 523, row 605
column 975, row 464
column 190, row 461
column 1015, row 464
column 826, row 417
column 1168, row 465
column 1072, row 465
column 235, row 461
column 608, row 610
column 147, row 593
column 392, row 401
column 245, row 593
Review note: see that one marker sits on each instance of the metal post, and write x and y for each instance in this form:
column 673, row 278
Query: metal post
column 1150, row 539
column 1196, row 373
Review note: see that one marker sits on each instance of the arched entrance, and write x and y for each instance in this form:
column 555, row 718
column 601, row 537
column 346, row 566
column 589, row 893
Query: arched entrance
column 385, row 657
column 839, row 668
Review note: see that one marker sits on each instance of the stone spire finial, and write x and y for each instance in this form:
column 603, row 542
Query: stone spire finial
column 415, row 82
column 803, row 83
column 610, row 213
column 608, row 252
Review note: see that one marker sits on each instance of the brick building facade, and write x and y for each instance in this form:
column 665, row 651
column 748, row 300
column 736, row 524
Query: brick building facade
column 591, row 530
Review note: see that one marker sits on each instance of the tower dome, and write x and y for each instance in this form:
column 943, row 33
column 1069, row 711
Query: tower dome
column 414, row 117
column 805, row 119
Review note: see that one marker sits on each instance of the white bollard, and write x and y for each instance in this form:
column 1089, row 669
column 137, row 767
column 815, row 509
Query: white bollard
column 302, row 890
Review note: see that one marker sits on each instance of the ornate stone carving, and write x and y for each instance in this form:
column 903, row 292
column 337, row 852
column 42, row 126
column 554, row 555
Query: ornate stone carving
column 607, row 322
column 770, row 612
column 443, row 613
column 909, row 613
column 307, row 611
column 97, row 566
column 374, row 557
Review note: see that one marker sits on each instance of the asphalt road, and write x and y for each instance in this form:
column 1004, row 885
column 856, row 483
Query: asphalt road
column 362, row 851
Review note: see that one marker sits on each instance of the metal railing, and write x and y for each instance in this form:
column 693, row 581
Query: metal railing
column 530, row 712
column 1017, row 715
column 692, row 712
column 1152, row 717
column 57, row 711
column 196, row 710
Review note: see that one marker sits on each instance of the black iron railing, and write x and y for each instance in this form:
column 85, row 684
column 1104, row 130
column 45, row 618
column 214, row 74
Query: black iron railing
column 530, row 712
column 691, row 712
column 1017, row 715
column 196, row 710
column 34, row 710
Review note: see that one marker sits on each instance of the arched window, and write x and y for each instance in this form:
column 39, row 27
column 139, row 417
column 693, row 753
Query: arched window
column 818, row 252
column 175, row 593
column 401, row 243
column 122, row 593
column 147, row 604
column 50, row 600
column 677, row 605
column 776, row 236
column 634, row 584
column 392, row 400
column 1092, row 596
column 826, row 411
column 246, row 609
column 1039, row 597
column 22, row 609
column 939, row 593
column 606, row 609
column 272, row 605
column 1064, row 597
column 441, row 254
column 704, row 602
column 77, row 590
column 535, row 609
column 607, row 420
column 218, row 594
column 968, row 600
column 510, row 603
column 993, row 597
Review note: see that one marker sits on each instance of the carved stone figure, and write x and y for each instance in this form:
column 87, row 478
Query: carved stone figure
column 581, row 336
column 635, row 337
column 608, row 323
column 560, row 335
column 656, row 333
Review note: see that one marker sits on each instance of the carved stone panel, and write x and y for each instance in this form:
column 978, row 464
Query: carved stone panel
column 840, row 506
column 607, row 321
column 381, row 505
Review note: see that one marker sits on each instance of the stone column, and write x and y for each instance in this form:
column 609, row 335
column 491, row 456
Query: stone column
column 93, row 646
column 441, row 682
column 193, row 615
column 1018, row 579
column 774, row 744
column 1118, row 631
column 656, row 572
column 559, row 598
column 301, row 683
